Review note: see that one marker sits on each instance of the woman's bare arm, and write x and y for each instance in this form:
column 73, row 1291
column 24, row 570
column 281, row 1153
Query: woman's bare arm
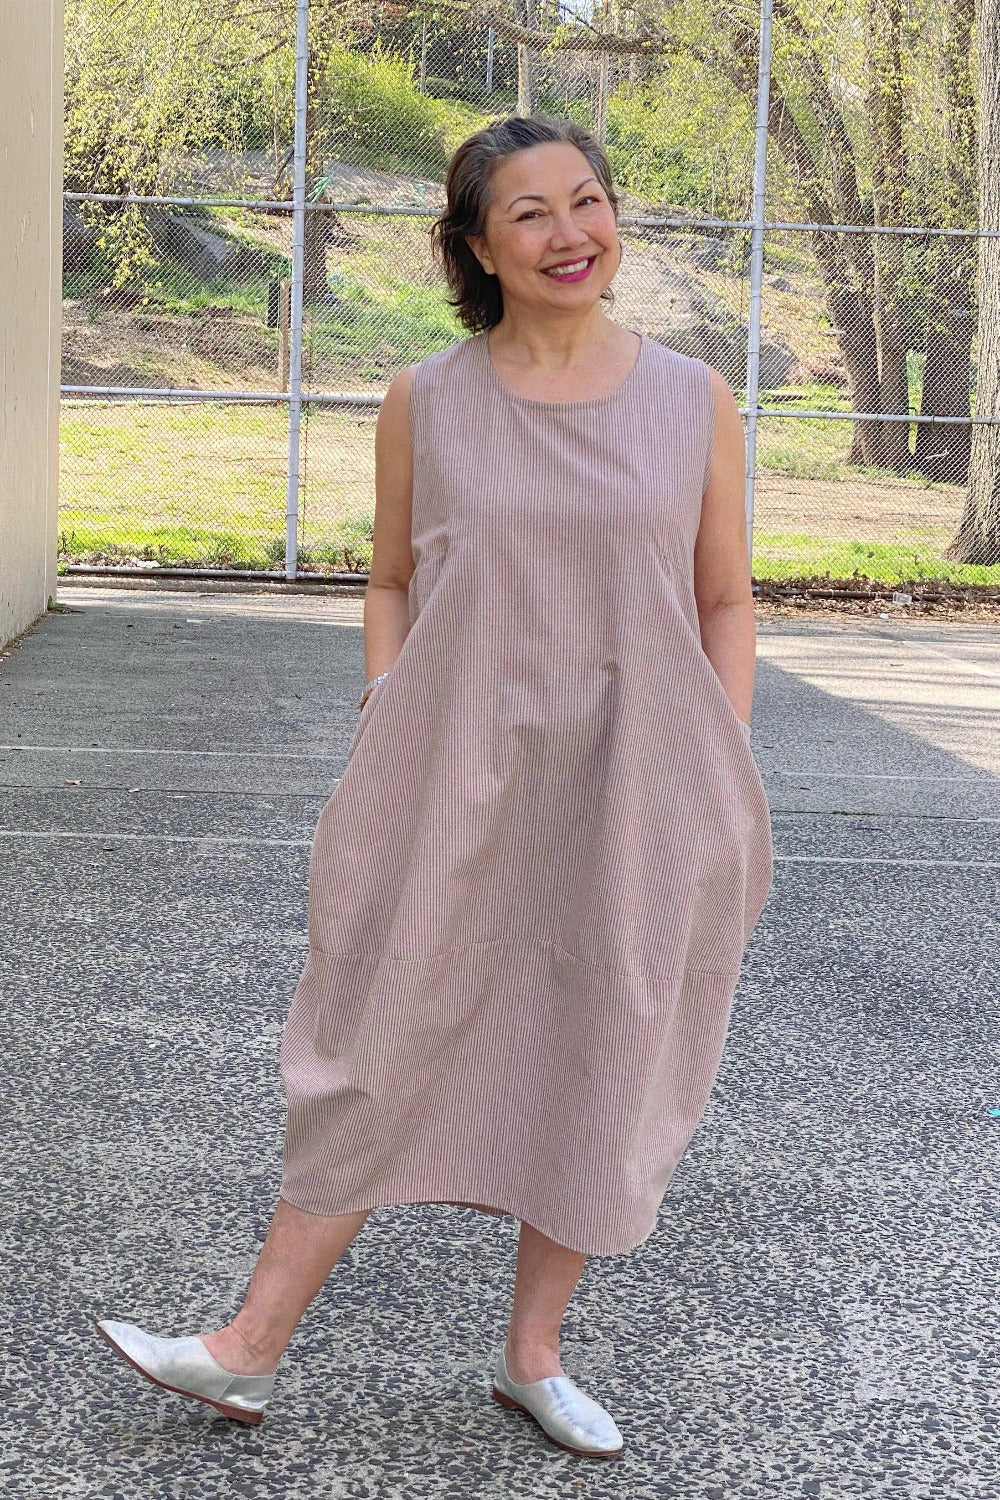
column 386, row 610
column 722, row 585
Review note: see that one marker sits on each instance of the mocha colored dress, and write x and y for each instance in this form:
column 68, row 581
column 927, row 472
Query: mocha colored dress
column 531, row 891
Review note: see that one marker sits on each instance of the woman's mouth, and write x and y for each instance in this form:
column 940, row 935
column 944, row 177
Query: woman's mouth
column 574, row 270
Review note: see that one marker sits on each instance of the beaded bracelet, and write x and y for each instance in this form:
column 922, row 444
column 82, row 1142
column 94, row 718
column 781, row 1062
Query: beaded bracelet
column 370, row 686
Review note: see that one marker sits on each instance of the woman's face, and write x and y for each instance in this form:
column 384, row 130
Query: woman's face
column 551, row 237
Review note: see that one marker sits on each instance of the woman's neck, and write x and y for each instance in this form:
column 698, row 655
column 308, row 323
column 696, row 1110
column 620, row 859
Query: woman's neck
column 554, row 344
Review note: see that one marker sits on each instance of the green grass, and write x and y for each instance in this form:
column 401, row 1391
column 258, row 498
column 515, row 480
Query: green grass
column 346, row 549
column 818, row 447
column 205, row 486
column 377, row 332
column 166, row 287
column 778, row 556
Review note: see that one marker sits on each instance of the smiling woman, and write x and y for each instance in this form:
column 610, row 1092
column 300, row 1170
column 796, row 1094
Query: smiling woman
column 531, row 890
column 491, row 186
column 529, row 235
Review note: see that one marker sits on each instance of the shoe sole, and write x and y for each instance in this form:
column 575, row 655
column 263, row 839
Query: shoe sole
column 512, row 1405
column 234, row 1413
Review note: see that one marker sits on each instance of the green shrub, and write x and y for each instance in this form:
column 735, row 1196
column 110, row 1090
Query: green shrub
column 377, row 117
column 682, row 140
column 242, row 110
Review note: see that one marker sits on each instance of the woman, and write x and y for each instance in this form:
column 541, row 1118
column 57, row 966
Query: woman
column 531, row 891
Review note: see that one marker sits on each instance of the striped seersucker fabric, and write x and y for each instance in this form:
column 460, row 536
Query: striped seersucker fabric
column 531, row 891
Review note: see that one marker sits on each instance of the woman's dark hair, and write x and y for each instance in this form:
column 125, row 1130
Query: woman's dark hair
column 478, row 297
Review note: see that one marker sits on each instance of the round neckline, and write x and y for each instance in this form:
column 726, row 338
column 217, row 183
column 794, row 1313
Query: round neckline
column 559, row 405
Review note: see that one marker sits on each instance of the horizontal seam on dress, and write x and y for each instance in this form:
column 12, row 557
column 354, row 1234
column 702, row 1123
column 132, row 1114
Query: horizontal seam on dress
column 541, row 942
column 641, row 973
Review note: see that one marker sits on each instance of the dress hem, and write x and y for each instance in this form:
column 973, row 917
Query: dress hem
column 402, row 1201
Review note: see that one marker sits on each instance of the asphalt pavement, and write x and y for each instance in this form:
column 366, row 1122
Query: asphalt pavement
column 816, row 1312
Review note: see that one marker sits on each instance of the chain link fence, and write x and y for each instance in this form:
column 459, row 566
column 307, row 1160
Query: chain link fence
column 220, row 387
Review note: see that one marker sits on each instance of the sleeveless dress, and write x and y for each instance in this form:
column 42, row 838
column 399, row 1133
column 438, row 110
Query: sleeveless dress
column 531, row 891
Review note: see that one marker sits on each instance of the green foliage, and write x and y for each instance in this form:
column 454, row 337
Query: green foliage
column 242, row 106
column 377, row 117
column 137, row 93
column 347, row 547
column 685, row 139
column 138, row 97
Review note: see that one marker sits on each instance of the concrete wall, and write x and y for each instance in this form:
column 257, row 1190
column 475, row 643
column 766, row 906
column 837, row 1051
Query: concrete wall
column 31, row 68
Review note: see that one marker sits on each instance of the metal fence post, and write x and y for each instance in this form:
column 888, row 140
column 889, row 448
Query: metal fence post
column 298, row 279
column 757, row 257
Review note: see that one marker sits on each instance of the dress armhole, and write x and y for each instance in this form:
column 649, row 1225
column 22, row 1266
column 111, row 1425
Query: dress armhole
column 415, row 410
column 710, row 424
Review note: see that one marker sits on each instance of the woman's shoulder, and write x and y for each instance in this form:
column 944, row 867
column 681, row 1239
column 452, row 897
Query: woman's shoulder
column 700, row 387
column 442, row 363
column 425, row 372
column 440, row 382
column 678, row 365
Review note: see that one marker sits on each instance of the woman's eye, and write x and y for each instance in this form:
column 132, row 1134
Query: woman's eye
column 533, row 213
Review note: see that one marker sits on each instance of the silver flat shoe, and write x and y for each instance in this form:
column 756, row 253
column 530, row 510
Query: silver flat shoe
column 186, row 1367
column 567, row 1416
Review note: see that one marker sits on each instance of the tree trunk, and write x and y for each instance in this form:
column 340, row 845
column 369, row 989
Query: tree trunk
column 851, row 305
column 527, row 58
column 846, row 262
column 978, row 536
column 942, row 453
column 314, row 285
column 884, row 19
column 826, row 178
column 607, row 20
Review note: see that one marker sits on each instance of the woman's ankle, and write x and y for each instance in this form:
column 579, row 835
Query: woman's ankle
column 529, row 1360
column 230, row 1348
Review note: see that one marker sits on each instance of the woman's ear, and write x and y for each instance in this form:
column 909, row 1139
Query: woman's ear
column 477, row 245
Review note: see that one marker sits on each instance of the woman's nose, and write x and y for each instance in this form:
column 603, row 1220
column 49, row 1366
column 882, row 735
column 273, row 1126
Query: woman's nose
column 567, row 232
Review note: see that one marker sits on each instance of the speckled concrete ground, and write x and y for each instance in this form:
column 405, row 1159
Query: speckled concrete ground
column 816, row 1313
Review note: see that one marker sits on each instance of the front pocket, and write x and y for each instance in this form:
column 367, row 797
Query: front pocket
column 720, row 690
column 367, row 710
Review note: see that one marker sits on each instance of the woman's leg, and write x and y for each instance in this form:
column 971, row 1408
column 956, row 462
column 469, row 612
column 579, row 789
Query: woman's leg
column 296, row 1258
column 547, row 1274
